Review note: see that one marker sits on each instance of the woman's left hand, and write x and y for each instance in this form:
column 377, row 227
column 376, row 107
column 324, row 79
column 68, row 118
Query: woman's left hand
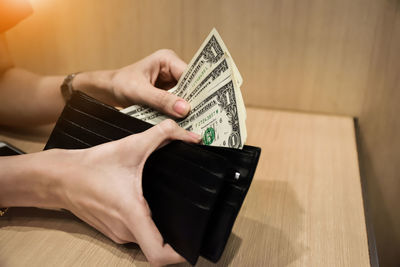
column 144, row 82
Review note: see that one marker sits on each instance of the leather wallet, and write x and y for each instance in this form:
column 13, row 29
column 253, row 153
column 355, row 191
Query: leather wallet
column 194, row 191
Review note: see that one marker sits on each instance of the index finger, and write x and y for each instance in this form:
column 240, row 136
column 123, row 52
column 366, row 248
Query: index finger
column 170, row 61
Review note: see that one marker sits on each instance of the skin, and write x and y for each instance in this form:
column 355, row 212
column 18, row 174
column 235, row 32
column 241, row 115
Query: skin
column 100, row 185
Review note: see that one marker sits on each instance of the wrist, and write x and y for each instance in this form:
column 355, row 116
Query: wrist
column 34, row 180
column 95, row 83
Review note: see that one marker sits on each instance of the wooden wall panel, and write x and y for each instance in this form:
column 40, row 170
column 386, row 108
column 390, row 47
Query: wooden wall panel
column 69, row 35
column 380, row 136
column 310, row 55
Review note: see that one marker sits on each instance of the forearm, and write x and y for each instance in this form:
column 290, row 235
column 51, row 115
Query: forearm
column 30, row 99
column 33, row 180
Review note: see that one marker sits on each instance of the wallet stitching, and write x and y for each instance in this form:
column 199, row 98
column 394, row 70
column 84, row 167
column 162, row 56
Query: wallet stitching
column 86, row 129
column 125, row 130
column 175, row 155
column 95, row 102
column 81, row 141
column 113, row 125
column 99, row 119
column 216, row 174
column 158, row 183
column 206, row 188
column 106, row 108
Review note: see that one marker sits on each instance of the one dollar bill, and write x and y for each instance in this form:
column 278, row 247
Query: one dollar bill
column 211, row 84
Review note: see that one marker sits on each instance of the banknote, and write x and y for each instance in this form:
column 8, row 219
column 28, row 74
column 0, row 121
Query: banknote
column 207, row 57
column 211, row 85
column 216, row 118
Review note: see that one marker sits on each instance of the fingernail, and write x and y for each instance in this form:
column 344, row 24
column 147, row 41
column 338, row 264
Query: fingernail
column 181, row 107
column 195, row 136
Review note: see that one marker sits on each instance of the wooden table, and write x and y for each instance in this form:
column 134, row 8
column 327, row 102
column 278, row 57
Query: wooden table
column 304, row 208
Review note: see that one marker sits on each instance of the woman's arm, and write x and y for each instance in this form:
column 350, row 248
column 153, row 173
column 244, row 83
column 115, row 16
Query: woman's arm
column 26, row 98
column 101, row 185
column 30, row 99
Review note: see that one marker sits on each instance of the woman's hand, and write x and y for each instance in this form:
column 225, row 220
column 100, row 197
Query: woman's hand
column 144, row 82
column 30, row 99
column 101, row 185
column 105, row 186
column 105, row 189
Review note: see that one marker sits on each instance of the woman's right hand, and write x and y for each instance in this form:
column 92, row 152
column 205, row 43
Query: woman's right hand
column 103, row 187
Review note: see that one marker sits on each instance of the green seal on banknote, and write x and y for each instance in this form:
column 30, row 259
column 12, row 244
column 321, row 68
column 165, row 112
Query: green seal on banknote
column 209, row 136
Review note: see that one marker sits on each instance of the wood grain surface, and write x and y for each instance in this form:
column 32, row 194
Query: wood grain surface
column 311, row 55
column 304, row 207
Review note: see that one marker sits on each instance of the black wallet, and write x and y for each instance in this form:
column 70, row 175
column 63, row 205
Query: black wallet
column 194, row 191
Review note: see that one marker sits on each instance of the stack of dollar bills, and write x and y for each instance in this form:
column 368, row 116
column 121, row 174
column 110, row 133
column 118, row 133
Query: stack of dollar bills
column 211, row 84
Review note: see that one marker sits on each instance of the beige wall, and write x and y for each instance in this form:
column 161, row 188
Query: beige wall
column 338, row 57
column 308, row 55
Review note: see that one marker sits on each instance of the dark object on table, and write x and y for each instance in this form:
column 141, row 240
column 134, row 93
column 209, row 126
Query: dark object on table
column 7, row 149
column 194, row 192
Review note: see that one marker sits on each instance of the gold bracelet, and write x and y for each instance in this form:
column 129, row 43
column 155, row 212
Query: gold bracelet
column 3, row 211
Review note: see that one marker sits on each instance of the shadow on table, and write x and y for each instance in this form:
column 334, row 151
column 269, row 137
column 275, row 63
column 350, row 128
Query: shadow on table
column 34, row 219
column 267, row 229
column 265, row 232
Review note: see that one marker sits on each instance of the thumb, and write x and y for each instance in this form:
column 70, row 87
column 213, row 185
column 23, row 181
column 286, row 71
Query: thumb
column 164, row 132
column 165, row 102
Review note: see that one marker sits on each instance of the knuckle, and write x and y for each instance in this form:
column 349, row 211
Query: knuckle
column 154, row 260
column 168, row 126
column 165, row 51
